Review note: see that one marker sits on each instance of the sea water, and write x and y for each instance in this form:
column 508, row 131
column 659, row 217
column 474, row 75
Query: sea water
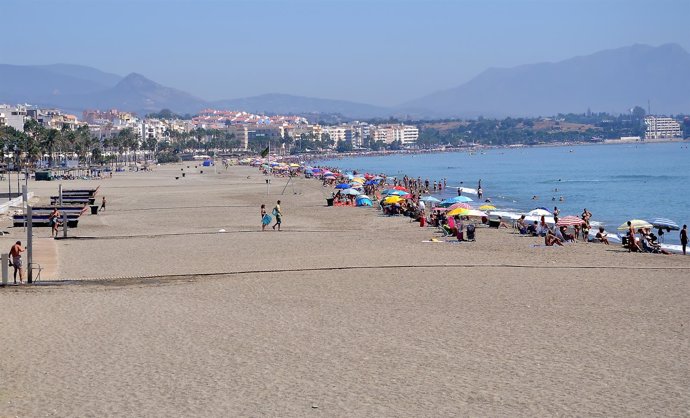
column 614, row 182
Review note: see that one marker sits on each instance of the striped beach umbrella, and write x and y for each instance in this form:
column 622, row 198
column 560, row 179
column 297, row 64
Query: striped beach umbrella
column 665, row 223
column 569, row 221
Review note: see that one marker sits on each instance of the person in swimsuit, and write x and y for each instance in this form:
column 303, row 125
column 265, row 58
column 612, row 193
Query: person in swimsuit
column 684, row 238
column 102, row 204
column 54, row 221
column 16, row 257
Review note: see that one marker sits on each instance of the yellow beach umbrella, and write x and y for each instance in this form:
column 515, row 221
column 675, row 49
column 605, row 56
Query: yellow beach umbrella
column 294, row 165
column 457, row 212
column 487, row 207
column 636, row 224
column 358, row 180
column 392, row 199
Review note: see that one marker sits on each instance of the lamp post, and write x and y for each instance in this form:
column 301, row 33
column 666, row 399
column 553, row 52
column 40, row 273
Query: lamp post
column 16, row 159
column 7, row 169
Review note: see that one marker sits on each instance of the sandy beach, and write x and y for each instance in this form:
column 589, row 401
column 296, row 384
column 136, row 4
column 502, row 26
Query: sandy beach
column 148, row 310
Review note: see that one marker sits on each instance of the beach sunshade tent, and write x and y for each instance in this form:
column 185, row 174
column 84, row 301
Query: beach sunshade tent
column 636, row 224
column 569, row 221
column 665, row 223
column 487, row 207
column 363, row 201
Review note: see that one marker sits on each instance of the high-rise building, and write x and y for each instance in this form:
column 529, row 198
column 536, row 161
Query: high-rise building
column 658, row 127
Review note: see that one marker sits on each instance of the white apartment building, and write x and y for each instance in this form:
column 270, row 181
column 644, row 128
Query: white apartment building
column 153, row 129
column 406, row 134
column 13, row 116
column 336, row 133
column 658, row 127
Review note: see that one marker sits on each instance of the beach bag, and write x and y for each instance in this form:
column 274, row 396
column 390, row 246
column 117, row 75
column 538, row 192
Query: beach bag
column 266, row 219
column 275, row 212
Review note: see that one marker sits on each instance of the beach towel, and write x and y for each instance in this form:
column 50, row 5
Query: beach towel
column 266, row 219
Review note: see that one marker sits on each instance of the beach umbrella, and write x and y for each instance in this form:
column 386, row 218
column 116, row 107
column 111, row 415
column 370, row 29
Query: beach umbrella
column 456, row 199
column 397, row 193
column 392, row 199
column 400, row 188
column 508, row 215
column 487, row 207
column 457, row 212
column 665, row 223
column 429, row 199
column 370, row 183
column 636, row 224
column 342, row 186
column 351, row 192
column 459, row 205
column 475, row 213
column 569, row 221
column 359, row 180
column 539, row 212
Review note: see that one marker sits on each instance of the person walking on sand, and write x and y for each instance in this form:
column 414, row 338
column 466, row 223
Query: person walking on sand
column 278, row 214
column 103, row 204
column 54, row 222
column 16, row 257
column 265, row 217
column 684, row 238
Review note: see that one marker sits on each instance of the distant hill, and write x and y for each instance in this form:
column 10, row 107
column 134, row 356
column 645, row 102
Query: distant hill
column 288, row 104
column 47, row 84
column 611, row 81
column 138, row 93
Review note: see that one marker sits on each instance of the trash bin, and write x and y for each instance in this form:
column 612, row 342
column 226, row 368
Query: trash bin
column 329, row 201
column 94, row 209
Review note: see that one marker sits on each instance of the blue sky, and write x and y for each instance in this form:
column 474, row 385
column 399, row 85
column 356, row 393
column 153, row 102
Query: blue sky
column 377, row 51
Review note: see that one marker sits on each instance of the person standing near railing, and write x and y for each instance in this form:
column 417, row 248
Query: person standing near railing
column 17, row 263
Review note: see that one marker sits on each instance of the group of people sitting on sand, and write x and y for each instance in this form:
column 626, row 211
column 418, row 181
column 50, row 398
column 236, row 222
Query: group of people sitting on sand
column 644, row 241
column 554, row 235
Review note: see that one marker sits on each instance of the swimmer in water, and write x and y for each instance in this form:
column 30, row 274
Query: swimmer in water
column 560, row 199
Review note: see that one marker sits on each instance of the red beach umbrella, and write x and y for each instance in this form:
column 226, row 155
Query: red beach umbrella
column 400, row 188
column 459, row 205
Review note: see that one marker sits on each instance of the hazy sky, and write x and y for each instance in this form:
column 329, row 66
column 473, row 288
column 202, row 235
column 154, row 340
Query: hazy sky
column 375, row 51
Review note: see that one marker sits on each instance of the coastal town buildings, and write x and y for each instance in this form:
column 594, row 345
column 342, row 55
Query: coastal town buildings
column 407, row 135
column 661, row 127
column 245, row 129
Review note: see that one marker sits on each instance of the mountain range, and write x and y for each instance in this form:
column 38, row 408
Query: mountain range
column 611, row 80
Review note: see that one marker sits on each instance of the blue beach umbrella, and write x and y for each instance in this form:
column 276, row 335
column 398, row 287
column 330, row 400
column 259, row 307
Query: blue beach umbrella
column 430, row 199
column 456, row 199
column 664, row 223
column 342, row 186
column 352, row 192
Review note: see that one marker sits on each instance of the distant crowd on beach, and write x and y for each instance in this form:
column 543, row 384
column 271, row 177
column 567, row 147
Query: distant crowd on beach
column 411, row 197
